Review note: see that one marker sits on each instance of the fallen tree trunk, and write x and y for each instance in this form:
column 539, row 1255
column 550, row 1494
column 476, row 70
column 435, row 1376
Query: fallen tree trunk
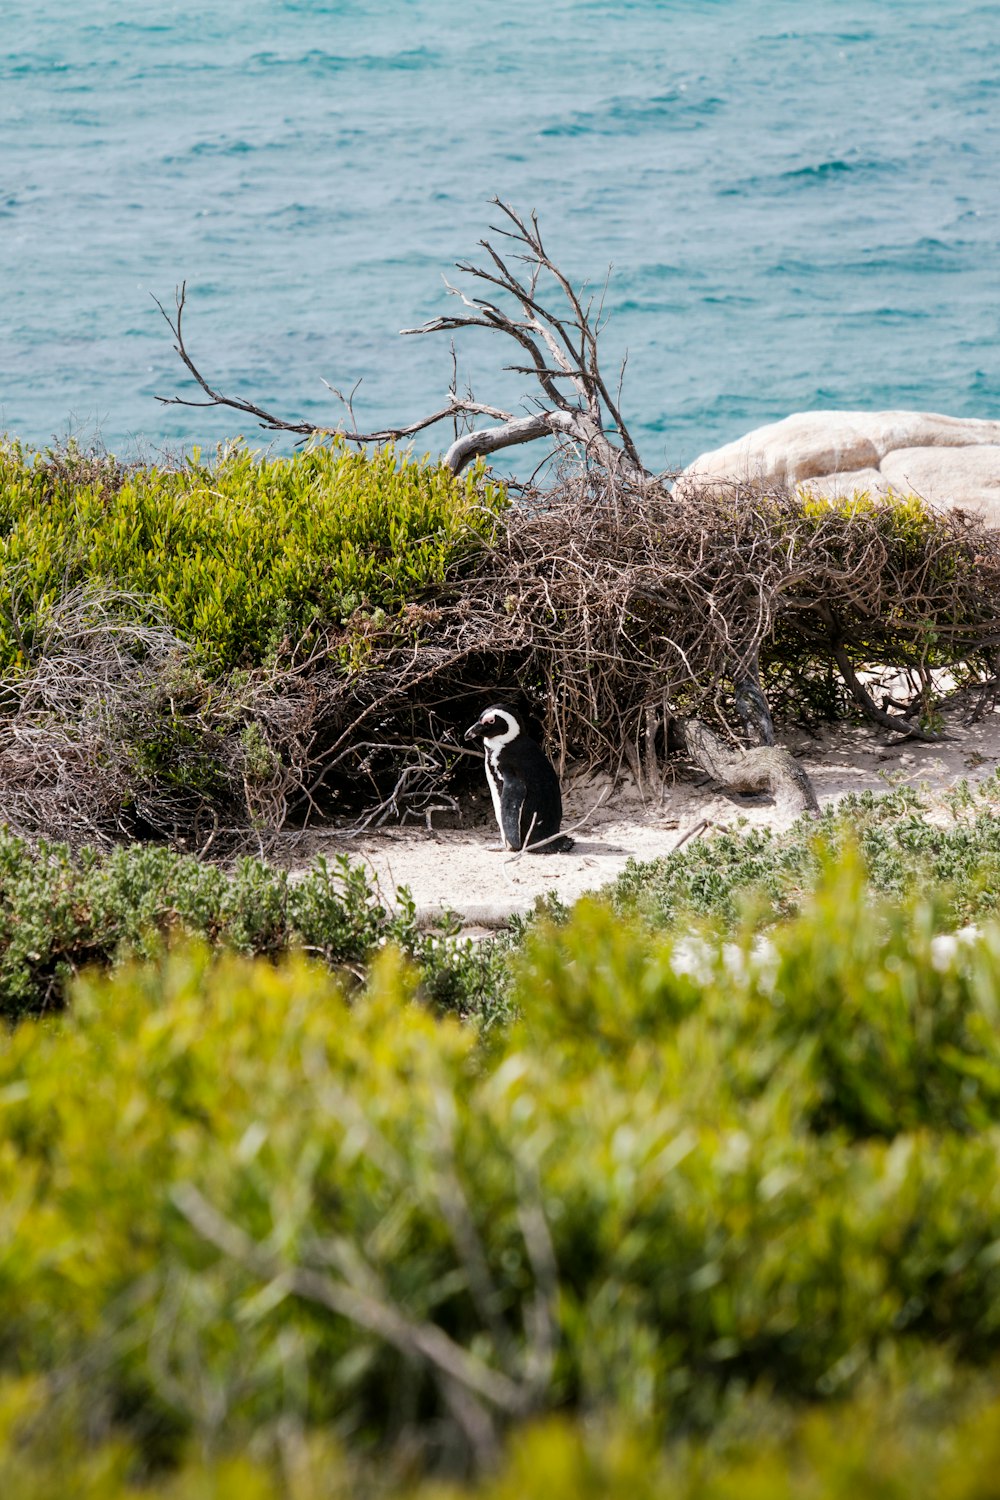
column 764, row 768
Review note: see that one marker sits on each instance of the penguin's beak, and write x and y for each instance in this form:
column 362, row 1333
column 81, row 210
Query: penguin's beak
column 475, row 731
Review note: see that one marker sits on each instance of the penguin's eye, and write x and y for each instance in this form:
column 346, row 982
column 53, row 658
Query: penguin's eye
column 492, row 718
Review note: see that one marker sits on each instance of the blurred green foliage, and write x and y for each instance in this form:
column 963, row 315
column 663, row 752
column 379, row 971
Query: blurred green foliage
column 876, row 1448
column 242, row 554
column 240, row 1202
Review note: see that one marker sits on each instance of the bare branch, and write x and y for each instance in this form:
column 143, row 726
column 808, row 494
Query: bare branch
column 561, row 347
column 532, row 848
column 910, row 729
column 469, row 1386
column 216, row 398
column 492, row 318
column 491, row 439
column 269, row 420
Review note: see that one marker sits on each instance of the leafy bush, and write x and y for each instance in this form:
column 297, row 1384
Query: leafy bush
column 863, row 1451
column 761, row 876
column 235, row 1200
column 865, row 1017
column 241, row 555
column 59, row 913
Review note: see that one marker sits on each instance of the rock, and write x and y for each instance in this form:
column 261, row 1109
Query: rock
column 849, row 483
column 968, row 478
column 950, row 461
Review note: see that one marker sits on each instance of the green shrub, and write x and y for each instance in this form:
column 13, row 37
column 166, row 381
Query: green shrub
column 246, row 556
column 877, row 1448
column 862, row 1452
column 59, row 913
column 234, row 1199
column 761, row 876
column 865, row 1017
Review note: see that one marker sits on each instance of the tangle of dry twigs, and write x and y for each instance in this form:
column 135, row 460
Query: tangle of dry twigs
column 605, row 609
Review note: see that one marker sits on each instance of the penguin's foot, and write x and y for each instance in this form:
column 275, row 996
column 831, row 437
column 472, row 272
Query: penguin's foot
column 558, row 846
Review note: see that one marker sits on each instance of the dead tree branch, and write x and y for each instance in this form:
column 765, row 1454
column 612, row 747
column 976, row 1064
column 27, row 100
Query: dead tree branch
column 901, row 724
column 470, row 1388
column 561, row 347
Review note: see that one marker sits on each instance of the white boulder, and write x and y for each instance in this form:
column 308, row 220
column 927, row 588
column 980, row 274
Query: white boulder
column 966, row 477
column 950, row 461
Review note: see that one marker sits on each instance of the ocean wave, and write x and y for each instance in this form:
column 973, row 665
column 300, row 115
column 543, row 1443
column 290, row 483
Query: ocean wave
column 319, row 63
column 631, row 116
column 813, row 175
column 840, row 167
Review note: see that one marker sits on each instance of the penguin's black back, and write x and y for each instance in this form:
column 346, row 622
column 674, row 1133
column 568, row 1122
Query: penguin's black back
column 530, row 800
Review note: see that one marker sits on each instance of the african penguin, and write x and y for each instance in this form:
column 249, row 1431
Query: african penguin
column 523, row 784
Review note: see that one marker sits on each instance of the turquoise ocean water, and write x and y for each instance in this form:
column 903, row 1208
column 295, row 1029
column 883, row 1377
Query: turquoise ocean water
column 801, row 203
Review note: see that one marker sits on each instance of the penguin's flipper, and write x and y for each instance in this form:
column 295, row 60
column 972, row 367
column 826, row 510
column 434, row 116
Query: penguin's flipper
column 512, row 801
column 495, row 781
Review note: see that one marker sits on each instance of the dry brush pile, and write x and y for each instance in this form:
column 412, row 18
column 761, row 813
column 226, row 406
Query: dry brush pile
column 612, row 611
column 616, row 613
column 629, row 620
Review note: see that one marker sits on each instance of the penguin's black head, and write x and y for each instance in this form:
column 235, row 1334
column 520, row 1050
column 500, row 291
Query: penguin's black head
column 495, row 727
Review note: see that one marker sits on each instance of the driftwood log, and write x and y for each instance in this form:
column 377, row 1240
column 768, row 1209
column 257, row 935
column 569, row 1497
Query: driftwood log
column 764, row 768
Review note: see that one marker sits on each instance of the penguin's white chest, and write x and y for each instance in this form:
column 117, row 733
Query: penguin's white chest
column 495, row 780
